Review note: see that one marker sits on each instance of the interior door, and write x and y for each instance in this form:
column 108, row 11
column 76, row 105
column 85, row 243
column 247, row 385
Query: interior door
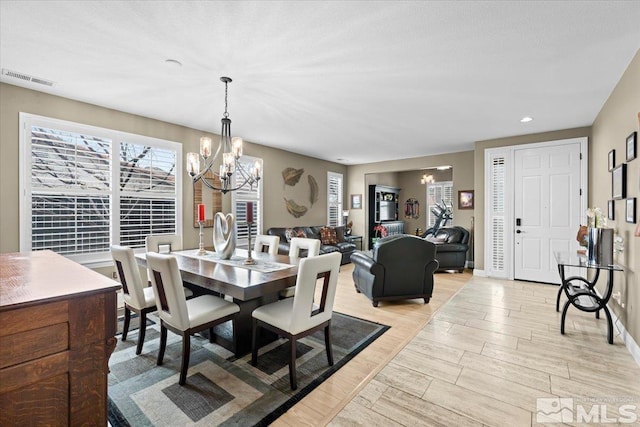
column 547, row 209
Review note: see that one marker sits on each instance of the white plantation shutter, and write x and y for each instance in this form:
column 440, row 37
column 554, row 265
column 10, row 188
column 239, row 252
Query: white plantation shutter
column 84, row 190
column 147, row 193
column 70, row 186
column 497, row 215
column 334, row 199
column 240, row 199
column 436, row 193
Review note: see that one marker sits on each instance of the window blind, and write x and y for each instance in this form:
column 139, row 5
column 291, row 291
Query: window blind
column 86, row 188
column 334, row 199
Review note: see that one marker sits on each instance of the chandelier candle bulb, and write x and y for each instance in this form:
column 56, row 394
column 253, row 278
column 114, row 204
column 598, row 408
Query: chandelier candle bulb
column 193, row 164
column 201, row 212
column 236, row 144
column 249, row 212
column 205, row 147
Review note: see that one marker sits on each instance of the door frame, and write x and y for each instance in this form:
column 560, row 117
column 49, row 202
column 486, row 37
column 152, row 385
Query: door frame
column 508, row 153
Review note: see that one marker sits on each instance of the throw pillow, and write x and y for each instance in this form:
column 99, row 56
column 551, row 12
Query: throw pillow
column 328, row 236
column 289, row 233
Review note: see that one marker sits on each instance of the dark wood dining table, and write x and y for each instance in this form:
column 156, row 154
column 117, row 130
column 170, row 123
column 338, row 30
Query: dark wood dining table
column 249, row 288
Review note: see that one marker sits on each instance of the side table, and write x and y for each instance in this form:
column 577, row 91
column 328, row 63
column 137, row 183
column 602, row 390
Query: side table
column 581, row 292
column 352, row 238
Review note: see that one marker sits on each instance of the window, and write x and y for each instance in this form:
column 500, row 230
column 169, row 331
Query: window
column 86, row 188
column 240, row 199
column 436, row 193
column 334, row 199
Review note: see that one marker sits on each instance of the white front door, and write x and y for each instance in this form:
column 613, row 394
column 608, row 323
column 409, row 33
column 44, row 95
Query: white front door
column 547, row 208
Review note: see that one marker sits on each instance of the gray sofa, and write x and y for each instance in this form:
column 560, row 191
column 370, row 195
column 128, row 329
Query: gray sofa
column 342, row 245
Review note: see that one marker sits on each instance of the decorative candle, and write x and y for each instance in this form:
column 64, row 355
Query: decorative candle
column 249, row 211
column 201, row 212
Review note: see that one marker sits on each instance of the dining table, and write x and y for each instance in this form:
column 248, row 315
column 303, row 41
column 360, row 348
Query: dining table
column 249, row 285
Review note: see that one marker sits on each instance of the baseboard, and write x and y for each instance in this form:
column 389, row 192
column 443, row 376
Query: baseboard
column 480, row 273
column 628, row 340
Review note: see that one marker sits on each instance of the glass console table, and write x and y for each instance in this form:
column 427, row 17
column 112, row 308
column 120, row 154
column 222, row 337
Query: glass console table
column 580, row 291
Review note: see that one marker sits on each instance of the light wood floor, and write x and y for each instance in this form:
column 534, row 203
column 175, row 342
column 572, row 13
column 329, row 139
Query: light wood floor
column 480, row 353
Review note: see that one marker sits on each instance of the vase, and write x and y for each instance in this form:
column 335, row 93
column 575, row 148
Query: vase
column 600, row 246
column 224, row 236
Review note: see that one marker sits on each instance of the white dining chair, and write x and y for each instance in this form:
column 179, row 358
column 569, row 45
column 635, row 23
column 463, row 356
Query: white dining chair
column 179, row 315
column 268, row 244
column 164, row 244
column 297, row 244
column 138, row 297
column 297, row 317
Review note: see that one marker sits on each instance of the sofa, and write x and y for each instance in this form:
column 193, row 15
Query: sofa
column 332, row 239
column 399, row 267
column 452, row 245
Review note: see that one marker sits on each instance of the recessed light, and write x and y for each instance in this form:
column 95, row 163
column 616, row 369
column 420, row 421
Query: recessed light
column 173, row 62
column 526, row 119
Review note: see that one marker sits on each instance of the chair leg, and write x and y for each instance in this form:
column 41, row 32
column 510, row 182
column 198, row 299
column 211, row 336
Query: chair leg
column 163, row 344
column 127, row 320
column 254, row 343
column 426, row 300
column 327, row 343
column 186, row 352
column 211, row 335
column 141, row 331
column 292, row 365
column 375, row 303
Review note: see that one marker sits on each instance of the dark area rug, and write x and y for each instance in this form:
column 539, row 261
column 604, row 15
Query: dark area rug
column 221, row 389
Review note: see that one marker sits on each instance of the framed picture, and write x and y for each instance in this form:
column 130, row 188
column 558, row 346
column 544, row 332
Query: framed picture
column 632, row 145
column 611, row 210
column 465, row 199
column 356, row 201
column 612, row 160
column 631, row 210
column 619, row 182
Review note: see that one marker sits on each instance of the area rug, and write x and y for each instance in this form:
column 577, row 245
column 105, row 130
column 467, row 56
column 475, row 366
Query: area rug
column 222, row 389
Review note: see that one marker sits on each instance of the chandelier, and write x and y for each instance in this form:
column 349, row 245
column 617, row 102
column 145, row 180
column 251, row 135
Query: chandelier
column 231, row 150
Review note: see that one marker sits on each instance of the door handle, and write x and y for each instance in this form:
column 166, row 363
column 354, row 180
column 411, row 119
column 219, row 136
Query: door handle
column 518, row 231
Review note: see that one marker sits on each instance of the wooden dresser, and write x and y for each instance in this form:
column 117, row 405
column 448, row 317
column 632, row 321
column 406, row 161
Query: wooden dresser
column 57, row 332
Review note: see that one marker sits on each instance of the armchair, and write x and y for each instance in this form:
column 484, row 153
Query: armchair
column 401, row 267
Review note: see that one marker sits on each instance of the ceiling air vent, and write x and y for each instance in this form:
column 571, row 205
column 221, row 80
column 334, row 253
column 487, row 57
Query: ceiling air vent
column 26, row 77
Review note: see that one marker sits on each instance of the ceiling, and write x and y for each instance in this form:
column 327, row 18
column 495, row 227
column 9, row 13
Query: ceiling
column 351, row 82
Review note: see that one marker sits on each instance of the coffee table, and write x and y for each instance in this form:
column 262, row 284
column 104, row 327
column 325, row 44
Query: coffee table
column 249, row 287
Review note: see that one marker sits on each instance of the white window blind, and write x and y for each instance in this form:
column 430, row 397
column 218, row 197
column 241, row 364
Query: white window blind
column 86, row 188
column 436, row 193
column 147, row 192
column 497, row 214
column 240, row 199
column 334, row 199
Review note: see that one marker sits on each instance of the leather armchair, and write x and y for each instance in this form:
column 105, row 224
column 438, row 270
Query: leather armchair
column 401, row 267
column 452, row 245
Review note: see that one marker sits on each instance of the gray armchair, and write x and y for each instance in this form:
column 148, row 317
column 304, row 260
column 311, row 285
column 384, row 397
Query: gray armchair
column 402, row 267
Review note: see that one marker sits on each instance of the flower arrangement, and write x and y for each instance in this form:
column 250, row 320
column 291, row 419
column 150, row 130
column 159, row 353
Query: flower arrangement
column 595, row 218
column 381, row 231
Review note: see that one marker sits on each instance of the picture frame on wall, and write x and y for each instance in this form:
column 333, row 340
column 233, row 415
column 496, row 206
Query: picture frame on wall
column 356, row 201
column 632, row 146
column 631, row 210
column 612, row 160
column 465, row 199
column 619, row 182
column 611, row 210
